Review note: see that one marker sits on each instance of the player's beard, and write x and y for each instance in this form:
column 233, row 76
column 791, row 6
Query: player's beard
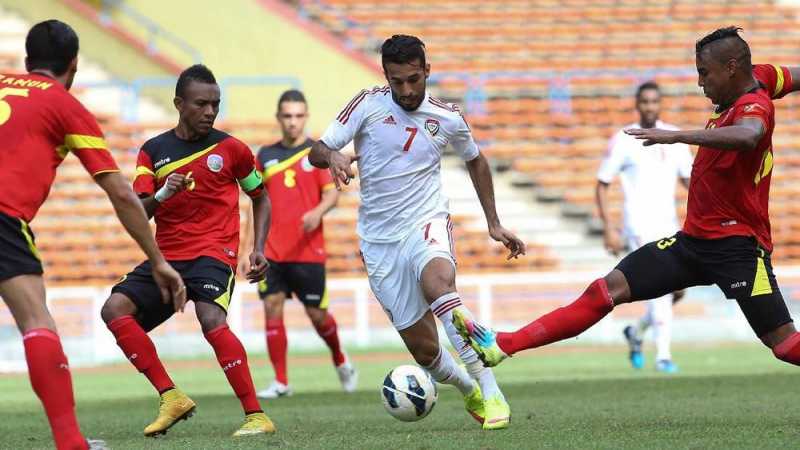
column 408, row 108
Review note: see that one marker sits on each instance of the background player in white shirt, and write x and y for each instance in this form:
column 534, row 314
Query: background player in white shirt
column 648, row 176
column 400, row 132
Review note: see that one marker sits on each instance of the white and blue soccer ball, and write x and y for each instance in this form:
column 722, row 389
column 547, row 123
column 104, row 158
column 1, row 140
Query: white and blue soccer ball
column 409, row 394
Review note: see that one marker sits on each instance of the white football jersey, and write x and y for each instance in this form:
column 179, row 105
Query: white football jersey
column 648, row 175
column 400, row 156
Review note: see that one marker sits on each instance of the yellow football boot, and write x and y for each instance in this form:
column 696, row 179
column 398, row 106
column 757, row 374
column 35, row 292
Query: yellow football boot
column 175, row 406
column 255, row 423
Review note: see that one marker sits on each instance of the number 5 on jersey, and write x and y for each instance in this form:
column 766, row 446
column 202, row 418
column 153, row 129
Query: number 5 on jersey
column 5, row 108
column 411, row 136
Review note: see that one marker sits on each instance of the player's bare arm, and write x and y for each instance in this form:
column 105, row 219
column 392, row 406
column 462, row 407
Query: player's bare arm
column 744, row 135
column 611, row 238
column 313, row 218
column 261, row 213
column 339, row 164
column 481, row 177
column 245, row 241
column 131, row 215
column 794, row 71
column 176, row 182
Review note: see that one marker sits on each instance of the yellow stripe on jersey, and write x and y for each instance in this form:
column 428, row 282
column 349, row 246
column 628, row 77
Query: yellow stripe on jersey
column 285, row 164
column 82, row 141
column 171, row 167
column 328, row 187
column 142, row 170
column 779, row 84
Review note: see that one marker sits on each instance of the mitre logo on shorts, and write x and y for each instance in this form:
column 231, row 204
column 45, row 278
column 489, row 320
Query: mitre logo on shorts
column 432, row 125
column 306, row 165
column 211, row 287
column 214, row 162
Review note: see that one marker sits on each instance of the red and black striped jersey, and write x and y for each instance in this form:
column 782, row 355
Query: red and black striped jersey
column 41, row 123
column 295, row 187
column 729, row 191
column 204, row 219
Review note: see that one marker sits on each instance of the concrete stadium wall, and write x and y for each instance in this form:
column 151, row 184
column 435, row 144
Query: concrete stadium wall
column 117, row 56
column 252, row 38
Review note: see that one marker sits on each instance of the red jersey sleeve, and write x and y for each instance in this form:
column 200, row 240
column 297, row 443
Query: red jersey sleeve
column 144, row 184
column 749, row 106
column 777, row 79
column 324, row 179
column 83, row 137
column 244, row 169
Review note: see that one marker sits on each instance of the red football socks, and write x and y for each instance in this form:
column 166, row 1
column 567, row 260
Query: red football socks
column 563, row 323
column 276, row 347
column 329, row 332
column 140, row 351
column 789, row 349
column 48, row 371
column 233, row 360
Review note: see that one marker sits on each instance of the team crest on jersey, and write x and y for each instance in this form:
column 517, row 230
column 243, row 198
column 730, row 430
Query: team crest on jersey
column 306, row 164
column 215, row 162
column 432, row 125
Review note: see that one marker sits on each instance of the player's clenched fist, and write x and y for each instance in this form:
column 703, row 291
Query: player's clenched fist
column 176, row 182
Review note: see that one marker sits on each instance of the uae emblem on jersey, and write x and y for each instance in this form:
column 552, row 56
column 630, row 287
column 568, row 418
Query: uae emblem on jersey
column 432, row 125
column 214, row 162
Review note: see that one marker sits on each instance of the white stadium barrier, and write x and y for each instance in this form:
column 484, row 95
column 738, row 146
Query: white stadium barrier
column 502, row 300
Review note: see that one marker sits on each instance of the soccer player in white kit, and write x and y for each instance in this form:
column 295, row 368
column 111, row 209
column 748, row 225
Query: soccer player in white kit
column 648, row 177
column 400, row 133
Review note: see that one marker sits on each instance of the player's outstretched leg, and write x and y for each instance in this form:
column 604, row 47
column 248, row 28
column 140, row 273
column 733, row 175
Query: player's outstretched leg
column 232, row 359
column 174, row 405
column 422, row 341
column 562, row 323
column 327, row 329
column 48, row 368
column 498, row 412
column 438, row 285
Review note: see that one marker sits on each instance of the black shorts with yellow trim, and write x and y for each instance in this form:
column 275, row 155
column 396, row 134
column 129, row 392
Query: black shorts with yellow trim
column 207, row 280
column 18, row 253
column 304, row 280
column 737, row 264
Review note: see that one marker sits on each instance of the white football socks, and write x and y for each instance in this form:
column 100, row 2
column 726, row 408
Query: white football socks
column 443, row 308
column 444, row 370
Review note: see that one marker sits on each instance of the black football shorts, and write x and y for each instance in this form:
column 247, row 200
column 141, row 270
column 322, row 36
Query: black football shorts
column 18, row 253
column 304, row 280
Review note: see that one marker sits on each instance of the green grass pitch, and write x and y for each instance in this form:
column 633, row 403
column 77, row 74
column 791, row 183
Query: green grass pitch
column 566, row 397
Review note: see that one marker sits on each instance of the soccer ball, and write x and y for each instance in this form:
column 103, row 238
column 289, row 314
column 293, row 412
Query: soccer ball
column 409, row 394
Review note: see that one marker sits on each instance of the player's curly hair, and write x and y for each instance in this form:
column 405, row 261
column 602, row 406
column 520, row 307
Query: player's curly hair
column 737, row 49
column 197, row 72
column 402, row 49
column 51, row 45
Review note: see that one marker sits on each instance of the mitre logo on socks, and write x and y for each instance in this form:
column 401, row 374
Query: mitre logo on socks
column 231, row 365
